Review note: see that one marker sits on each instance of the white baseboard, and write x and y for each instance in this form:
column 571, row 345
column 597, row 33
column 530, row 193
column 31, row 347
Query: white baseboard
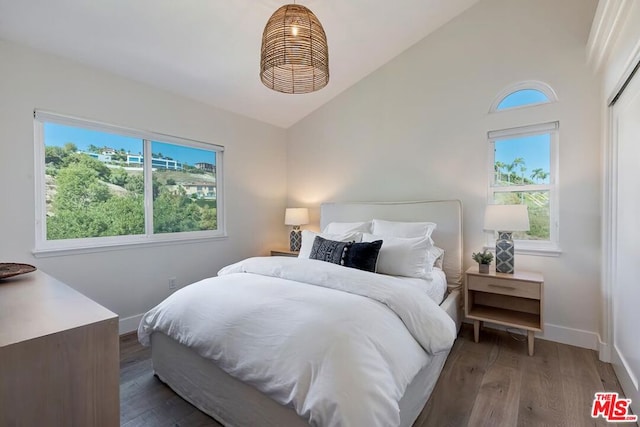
column 628, row 381
column 130, row 324
column 570, row 336
column 604, row 351
column 561, row 334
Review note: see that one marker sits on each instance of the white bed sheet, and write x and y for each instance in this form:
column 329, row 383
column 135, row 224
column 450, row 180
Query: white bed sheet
column 435, row 287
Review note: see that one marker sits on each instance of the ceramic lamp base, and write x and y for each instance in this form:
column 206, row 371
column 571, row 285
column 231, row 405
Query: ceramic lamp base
column 504, row 253
column 295, row 239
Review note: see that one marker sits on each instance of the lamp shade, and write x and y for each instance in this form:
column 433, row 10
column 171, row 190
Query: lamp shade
column 506, row 218
column 296, row 216
column 295, row 56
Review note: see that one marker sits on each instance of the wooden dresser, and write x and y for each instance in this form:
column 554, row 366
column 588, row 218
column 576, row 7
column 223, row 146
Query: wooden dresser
column 59, row 356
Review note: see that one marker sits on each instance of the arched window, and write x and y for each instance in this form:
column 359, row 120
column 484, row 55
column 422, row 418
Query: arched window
column 523, row 94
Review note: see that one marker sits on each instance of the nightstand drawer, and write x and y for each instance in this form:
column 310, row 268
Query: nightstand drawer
column 516, row 288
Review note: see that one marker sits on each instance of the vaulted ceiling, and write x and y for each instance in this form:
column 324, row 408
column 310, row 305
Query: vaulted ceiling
column 209, row 50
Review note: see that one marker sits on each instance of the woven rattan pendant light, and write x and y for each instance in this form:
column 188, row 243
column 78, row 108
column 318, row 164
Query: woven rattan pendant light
column 294, row 56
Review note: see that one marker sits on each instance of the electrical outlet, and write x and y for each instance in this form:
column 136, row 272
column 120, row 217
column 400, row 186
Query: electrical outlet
column 173, row 285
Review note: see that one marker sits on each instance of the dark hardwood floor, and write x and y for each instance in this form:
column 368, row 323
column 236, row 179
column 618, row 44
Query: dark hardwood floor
column 491, row 383
column 145, row 400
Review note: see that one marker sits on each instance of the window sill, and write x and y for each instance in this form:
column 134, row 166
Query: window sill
column 87, row 248
column 534, row 250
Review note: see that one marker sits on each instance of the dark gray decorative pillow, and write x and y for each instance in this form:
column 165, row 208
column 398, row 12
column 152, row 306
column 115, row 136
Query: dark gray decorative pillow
column 363, row 256
column 328, row 250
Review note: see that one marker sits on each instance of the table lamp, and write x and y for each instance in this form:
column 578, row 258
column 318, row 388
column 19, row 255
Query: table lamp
column 505, row 219
column 296, row 217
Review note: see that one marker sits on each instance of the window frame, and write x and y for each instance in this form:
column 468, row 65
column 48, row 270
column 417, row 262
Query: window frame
column 45, row 247
column 549, row 247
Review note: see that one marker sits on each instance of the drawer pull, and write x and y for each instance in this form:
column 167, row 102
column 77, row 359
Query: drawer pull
column 511, row 288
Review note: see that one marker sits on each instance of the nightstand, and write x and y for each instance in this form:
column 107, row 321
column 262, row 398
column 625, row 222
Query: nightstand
column 284, row 252
column 513, row 300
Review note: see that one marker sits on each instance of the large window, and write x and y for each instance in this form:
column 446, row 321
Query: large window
column 523, row 171
column 101, row 185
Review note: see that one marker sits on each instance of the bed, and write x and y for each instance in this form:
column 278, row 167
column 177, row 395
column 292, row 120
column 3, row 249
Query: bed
column 253, row 400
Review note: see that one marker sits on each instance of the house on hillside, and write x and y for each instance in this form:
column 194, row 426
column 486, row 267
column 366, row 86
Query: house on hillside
column 156, row 162
column 203, row 190
column 207, row 167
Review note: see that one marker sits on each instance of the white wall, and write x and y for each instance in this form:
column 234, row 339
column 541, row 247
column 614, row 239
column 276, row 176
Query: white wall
column 130, row 281
column 416, row 129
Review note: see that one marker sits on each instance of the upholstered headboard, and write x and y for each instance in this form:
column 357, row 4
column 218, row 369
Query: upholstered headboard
column 446, row 213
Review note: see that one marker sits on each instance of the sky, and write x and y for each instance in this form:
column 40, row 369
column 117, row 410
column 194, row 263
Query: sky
column 535, row 150
column 522, row 97
column 58, row 135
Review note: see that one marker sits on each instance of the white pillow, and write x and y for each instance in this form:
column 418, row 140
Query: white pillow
column 403, row 256
column 436, row 257
column 309, row 236
column 347, row 227
column 402, row 229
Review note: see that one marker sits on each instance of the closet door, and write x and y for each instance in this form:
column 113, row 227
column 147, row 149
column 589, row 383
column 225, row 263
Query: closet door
column 626, row 240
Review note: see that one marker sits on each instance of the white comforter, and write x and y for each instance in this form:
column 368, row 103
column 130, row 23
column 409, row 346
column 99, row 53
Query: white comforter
column 340, row 345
